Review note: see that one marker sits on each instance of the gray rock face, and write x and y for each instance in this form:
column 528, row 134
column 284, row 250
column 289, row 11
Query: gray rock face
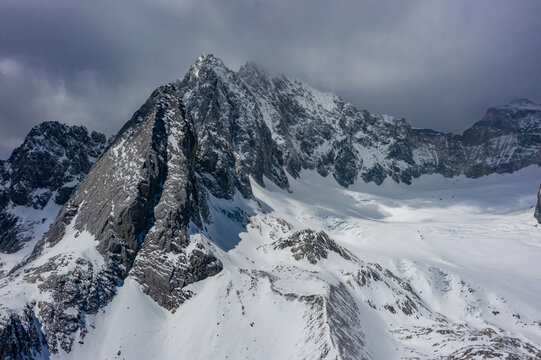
column 20, row 338
column 315, row 130
column 537, row 213
column 51, row 156
column 311, row 245
column 507, row 139
column 53, row 159
column 147, row 206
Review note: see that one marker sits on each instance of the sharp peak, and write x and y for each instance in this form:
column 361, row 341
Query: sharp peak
column 206, row 62
column 252, row 65
column 51, row 123
column 206, row 56
column 47, row 126
column 208, row 59
column 255, row 69
column 520, row 103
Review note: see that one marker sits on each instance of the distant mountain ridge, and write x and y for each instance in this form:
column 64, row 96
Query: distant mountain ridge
column 318, row 130
column 160, row 203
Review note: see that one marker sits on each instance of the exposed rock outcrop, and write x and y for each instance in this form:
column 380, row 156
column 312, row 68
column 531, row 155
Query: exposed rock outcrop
column 311, row 245
column 44, row 171
column 185, row 161
column 537, row 213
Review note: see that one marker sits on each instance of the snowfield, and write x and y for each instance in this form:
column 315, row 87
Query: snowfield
column 442, row 267
column 199, row 233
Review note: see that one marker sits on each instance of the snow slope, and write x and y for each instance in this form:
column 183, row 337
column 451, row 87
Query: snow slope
column 236, row 215
column 469, row 249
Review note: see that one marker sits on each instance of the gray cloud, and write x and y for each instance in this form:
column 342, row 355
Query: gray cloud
column 439, row 64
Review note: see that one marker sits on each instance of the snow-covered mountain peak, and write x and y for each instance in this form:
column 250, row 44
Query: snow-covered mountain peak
column 246, row 203
column 206, row 63
column 518, row 121
column 522, row 102
column 37, row 179
column 51, row 155
column 518, row 105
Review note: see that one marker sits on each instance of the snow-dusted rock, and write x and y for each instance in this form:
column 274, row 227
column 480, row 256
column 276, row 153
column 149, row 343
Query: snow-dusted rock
column 537, row 213
column 194, row 209
column 37, row 179
column 310, row 245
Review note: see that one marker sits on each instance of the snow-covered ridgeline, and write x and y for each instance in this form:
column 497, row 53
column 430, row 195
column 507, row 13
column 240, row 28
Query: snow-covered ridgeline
column 231, row 184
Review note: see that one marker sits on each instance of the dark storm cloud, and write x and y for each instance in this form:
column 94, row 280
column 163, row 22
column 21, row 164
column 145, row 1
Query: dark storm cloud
column 439, row 64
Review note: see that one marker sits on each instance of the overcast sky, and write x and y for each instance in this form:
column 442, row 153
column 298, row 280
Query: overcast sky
column 438, row 64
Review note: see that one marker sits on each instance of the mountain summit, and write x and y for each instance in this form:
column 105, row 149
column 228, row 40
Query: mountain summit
column 182, row 198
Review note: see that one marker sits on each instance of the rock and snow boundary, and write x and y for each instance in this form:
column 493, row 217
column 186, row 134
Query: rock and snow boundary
column 244, row 215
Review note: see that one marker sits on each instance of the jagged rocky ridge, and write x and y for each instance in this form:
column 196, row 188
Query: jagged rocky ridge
column 319, row 131
column 39, row 177
column 149, row 206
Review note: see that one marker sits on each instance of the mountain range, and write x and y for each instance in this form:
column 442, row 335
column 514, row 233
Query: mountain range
column 236, row 215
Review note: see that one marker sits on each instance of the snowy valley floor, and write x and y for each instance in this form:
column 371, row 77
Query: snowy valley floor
column 442, row 267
